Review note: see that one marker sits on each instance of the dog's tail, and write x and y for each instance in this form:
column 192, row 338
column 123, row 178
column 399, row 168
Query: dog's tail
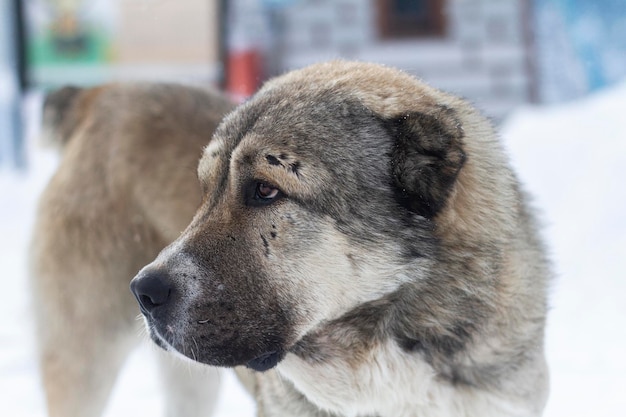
column 60, row 116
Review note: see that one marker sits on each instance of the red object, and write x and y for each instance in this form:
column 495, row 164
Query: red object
column 243, row 75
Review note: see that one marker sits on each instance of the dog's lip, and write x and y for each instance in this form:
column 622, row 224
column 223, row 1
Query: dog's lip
column 266, row 361
column 261, row 363
column 159, row 341
column 157, row 336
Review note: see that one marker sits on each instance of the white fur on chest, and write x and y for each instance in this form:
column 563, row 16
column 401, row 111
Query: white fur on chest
column 391, row 383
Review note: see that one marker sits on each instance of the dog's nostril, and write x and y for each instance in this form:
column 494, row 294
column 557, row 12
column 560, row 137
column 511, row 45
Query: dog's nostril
column 151, row 290
column 148, row 303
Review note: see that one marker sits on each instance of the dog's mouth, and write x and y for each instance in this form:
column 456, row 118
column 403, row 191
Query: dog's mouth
column 260, row 363
column 266, row 361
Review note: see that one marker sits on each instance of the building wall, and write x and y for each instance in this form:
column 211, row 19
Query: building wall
column 182, row 31
column 483, row 55
column 123, row 40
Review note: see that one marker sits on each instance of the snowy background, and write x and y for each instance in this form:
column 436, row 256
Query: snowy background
column 572, row 157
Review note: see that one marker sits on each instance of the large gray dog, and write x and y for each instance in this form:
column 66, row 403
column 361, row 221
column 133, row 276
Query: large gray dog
column 364, row 248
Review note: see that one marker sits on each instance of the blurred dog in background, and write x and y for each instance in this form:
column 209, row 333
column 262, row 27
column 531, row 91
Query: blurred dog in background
column 126, row 187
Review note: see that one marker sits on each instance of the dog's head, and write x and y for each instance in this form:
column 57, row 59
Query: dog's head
column 317, row 194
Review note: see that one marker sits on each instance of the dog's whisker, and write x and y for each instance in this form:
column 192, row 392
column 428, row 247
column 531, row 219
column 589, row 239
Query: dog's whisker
column 193, row 339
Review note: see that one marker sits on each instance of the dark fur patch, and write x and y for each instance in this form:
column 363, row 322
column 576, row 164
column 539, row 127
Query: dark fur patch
column 426, row 159
column 273, row 160
column 266, row 245
column 295, row 167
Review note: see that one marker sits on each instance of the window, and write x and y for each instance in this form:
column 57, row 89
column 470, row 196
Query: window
column 410, row 18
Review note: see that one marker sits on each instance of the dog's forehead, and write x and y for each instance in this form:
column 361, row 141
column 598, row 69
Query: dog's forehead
column 278, row 121
column 311, row 114
column 384, row 90
column 260, row 142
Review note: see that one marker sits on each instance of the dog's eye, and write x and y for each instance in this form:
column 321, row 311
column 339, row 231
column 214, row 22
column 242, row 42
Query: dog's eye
column 265, row 191
column 261, row 193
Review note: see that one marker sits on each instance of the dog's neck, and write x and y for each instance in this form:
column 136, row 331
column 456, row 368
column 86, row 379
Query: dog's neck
column 368, row 362
column 388, row 381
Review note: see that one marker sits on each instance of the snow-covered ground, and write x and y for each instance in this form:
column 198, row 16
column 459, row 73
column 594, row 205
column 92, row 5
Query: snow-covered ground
column 571, row 157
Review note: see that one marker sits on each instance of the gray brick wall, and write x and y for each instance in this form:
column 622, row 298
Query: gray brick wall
column 482, row 57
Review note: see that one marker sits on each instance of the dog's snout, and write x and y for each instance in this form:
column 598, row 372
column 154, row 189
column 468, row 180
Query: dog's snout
column 152, row 290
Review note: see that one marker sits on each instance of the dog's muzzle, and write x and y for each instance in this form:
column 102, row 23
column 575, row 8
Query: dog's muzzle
column 161, row 301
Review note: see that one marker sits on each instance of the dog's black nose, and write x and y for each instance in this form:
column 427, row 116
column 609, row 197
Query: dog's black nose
column 152, row 289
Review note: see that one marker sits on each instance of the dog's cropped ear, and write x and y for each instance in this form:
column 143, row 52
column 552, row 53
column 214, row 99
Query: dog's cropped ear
column 60, row 117
column 426, row 158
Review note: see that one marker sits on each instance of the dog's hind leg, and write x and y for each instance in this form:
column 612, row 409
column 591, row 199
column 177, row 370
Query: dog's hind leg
column 190, row 388
column 86, row 327
column 78, row 378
